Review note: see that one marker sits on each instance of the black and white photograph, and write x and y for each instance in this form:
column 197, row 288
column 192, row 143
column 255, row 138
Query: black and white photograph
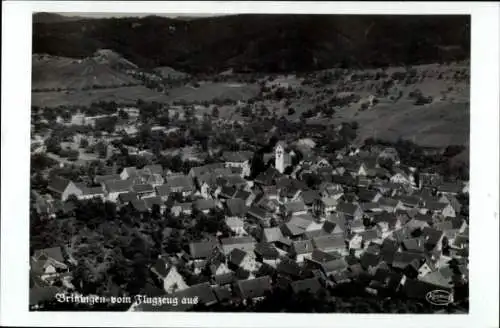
column 254, row 162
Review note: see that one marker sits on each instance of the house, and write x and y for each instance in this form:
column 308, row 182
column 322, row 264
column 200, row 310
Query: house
column 390, row 204
column 128, row 173
column 266, row 253
column 181, row 184
column 63, row 188
column 393, row 222
column 91, row 193
column 288, row 268
column 401, row 177
column 428, row 179
column 236, row 225
column 350, row 210
column 309, row 285
column 449, row 188
column 205, row 205
column 253, row 289
column 144, row 190
column 236, row 208
column 167, row 273
column 259, row 214
column 292, row 231
column 271, row 235
column 203, row 250
column 368, row 196
column 247, row 196
column 216, row 265
column 330, row 243
column 139, row 205
column 239, row 259
column 309, row 197
column 163, row 191
column 101, row 179
column 48, row 262
column 245, row 243
column 198, row 171
column 433, row 239
column 302, row 249
column 333, row 267
column 155, row 201
column 453, row 201
column 442, row 209
column 182, row 208
column 115, row 188
column 325, row 205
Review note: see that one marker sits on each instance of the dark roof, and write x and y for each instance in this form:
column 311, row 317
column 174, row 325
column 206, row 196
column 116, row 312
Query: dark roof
column 104, row 178
column 401, row 260
column 222, row 293
column 414, row 245
column 58, row 184
column 180, row 181
column 241, row 194
column 431, row 237
column 227, row 191
column 418, row 289
column 334, row 265
column 368, row 235
column 203, row 249
column 302, row 247
column 127, row 197
column 347, row 208
column 139, row 205
column 366, row 195
column 254, row 287
column 368, row 260
column 42, row 294
column 309, row 196
column 296, row 206
column 236, row 207
column 204, row 204
column 54, row 253
column 200, row 170
column 150, row 201
column 288, row 267
column 311, row 285
column 236, row 256
column 143, row 188
column 118, row 185
column 320, row 256
column 271, row 234
column 153, row 169
column 267, row 251
column 329, row 242
column 225, row 278
column 163, row 190
column 237, row 240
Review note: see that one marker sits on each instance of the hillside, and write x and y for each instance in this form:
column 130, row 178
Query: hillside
column 104, row 69
column 273, row 43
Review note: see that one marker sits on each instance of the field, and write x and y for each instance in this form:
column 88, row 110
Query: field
column 124, row 95
column 208, row 91
column 51, row 72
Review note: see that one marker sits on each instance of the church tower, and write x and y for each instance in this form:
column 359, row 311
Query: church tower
column 279, row 153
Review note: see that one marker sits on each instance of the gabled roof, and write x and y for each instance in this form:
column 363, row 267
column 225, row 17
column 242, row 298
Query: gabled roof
column 103, row 178
column 203, row 249
column 310, row 285
column 150, row 201
column 238, row 240
column 289, row 267
column 404, row 259
column 204, row 204
column 139, row 205
column 329, row 242
column 291, row 230
column 118, row 185
column 334, row 265
column 153, row 169
column 321, row 256
column 236, row 207
column 236, row 256
column 266, row 250
column 302, row 247
column 54, row 253
column 237, row 156
column 58, row 184
column 369, row 235
column 253, row 288
column 163, row 190
column 127, row 197
column 180, row 181
column 309, row 196
column 197, row 171
column 143, row 188
column 347, row 208
column 272, row 234
column 368, row 260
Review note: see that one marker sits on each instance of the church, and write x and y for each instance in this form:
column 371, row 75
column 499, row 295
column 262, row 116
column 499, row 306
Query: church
column 282, row 158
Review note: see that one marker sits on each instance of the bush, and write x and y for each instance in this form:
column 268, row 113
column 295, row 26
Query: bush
column 291, row 111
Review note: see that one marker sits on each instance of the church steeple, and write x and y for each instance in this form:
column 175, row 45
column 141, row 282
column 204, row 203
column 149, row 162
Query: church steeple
column 279, row 152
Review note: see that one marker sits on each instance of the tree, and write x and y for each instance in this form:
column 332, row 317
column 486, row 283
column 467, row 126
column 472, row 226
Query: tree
column 123, row 114
column 291, row 111
column 215, row 112
column 84, row 143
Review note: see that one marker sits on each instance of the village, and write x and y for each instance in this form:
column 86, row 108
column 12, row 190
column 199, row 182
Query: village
column 303, row 222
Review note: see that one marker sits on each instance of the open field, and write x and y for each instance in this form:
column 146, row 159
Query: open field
column 208, row 91
column 122, row 95
column 51, row 72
